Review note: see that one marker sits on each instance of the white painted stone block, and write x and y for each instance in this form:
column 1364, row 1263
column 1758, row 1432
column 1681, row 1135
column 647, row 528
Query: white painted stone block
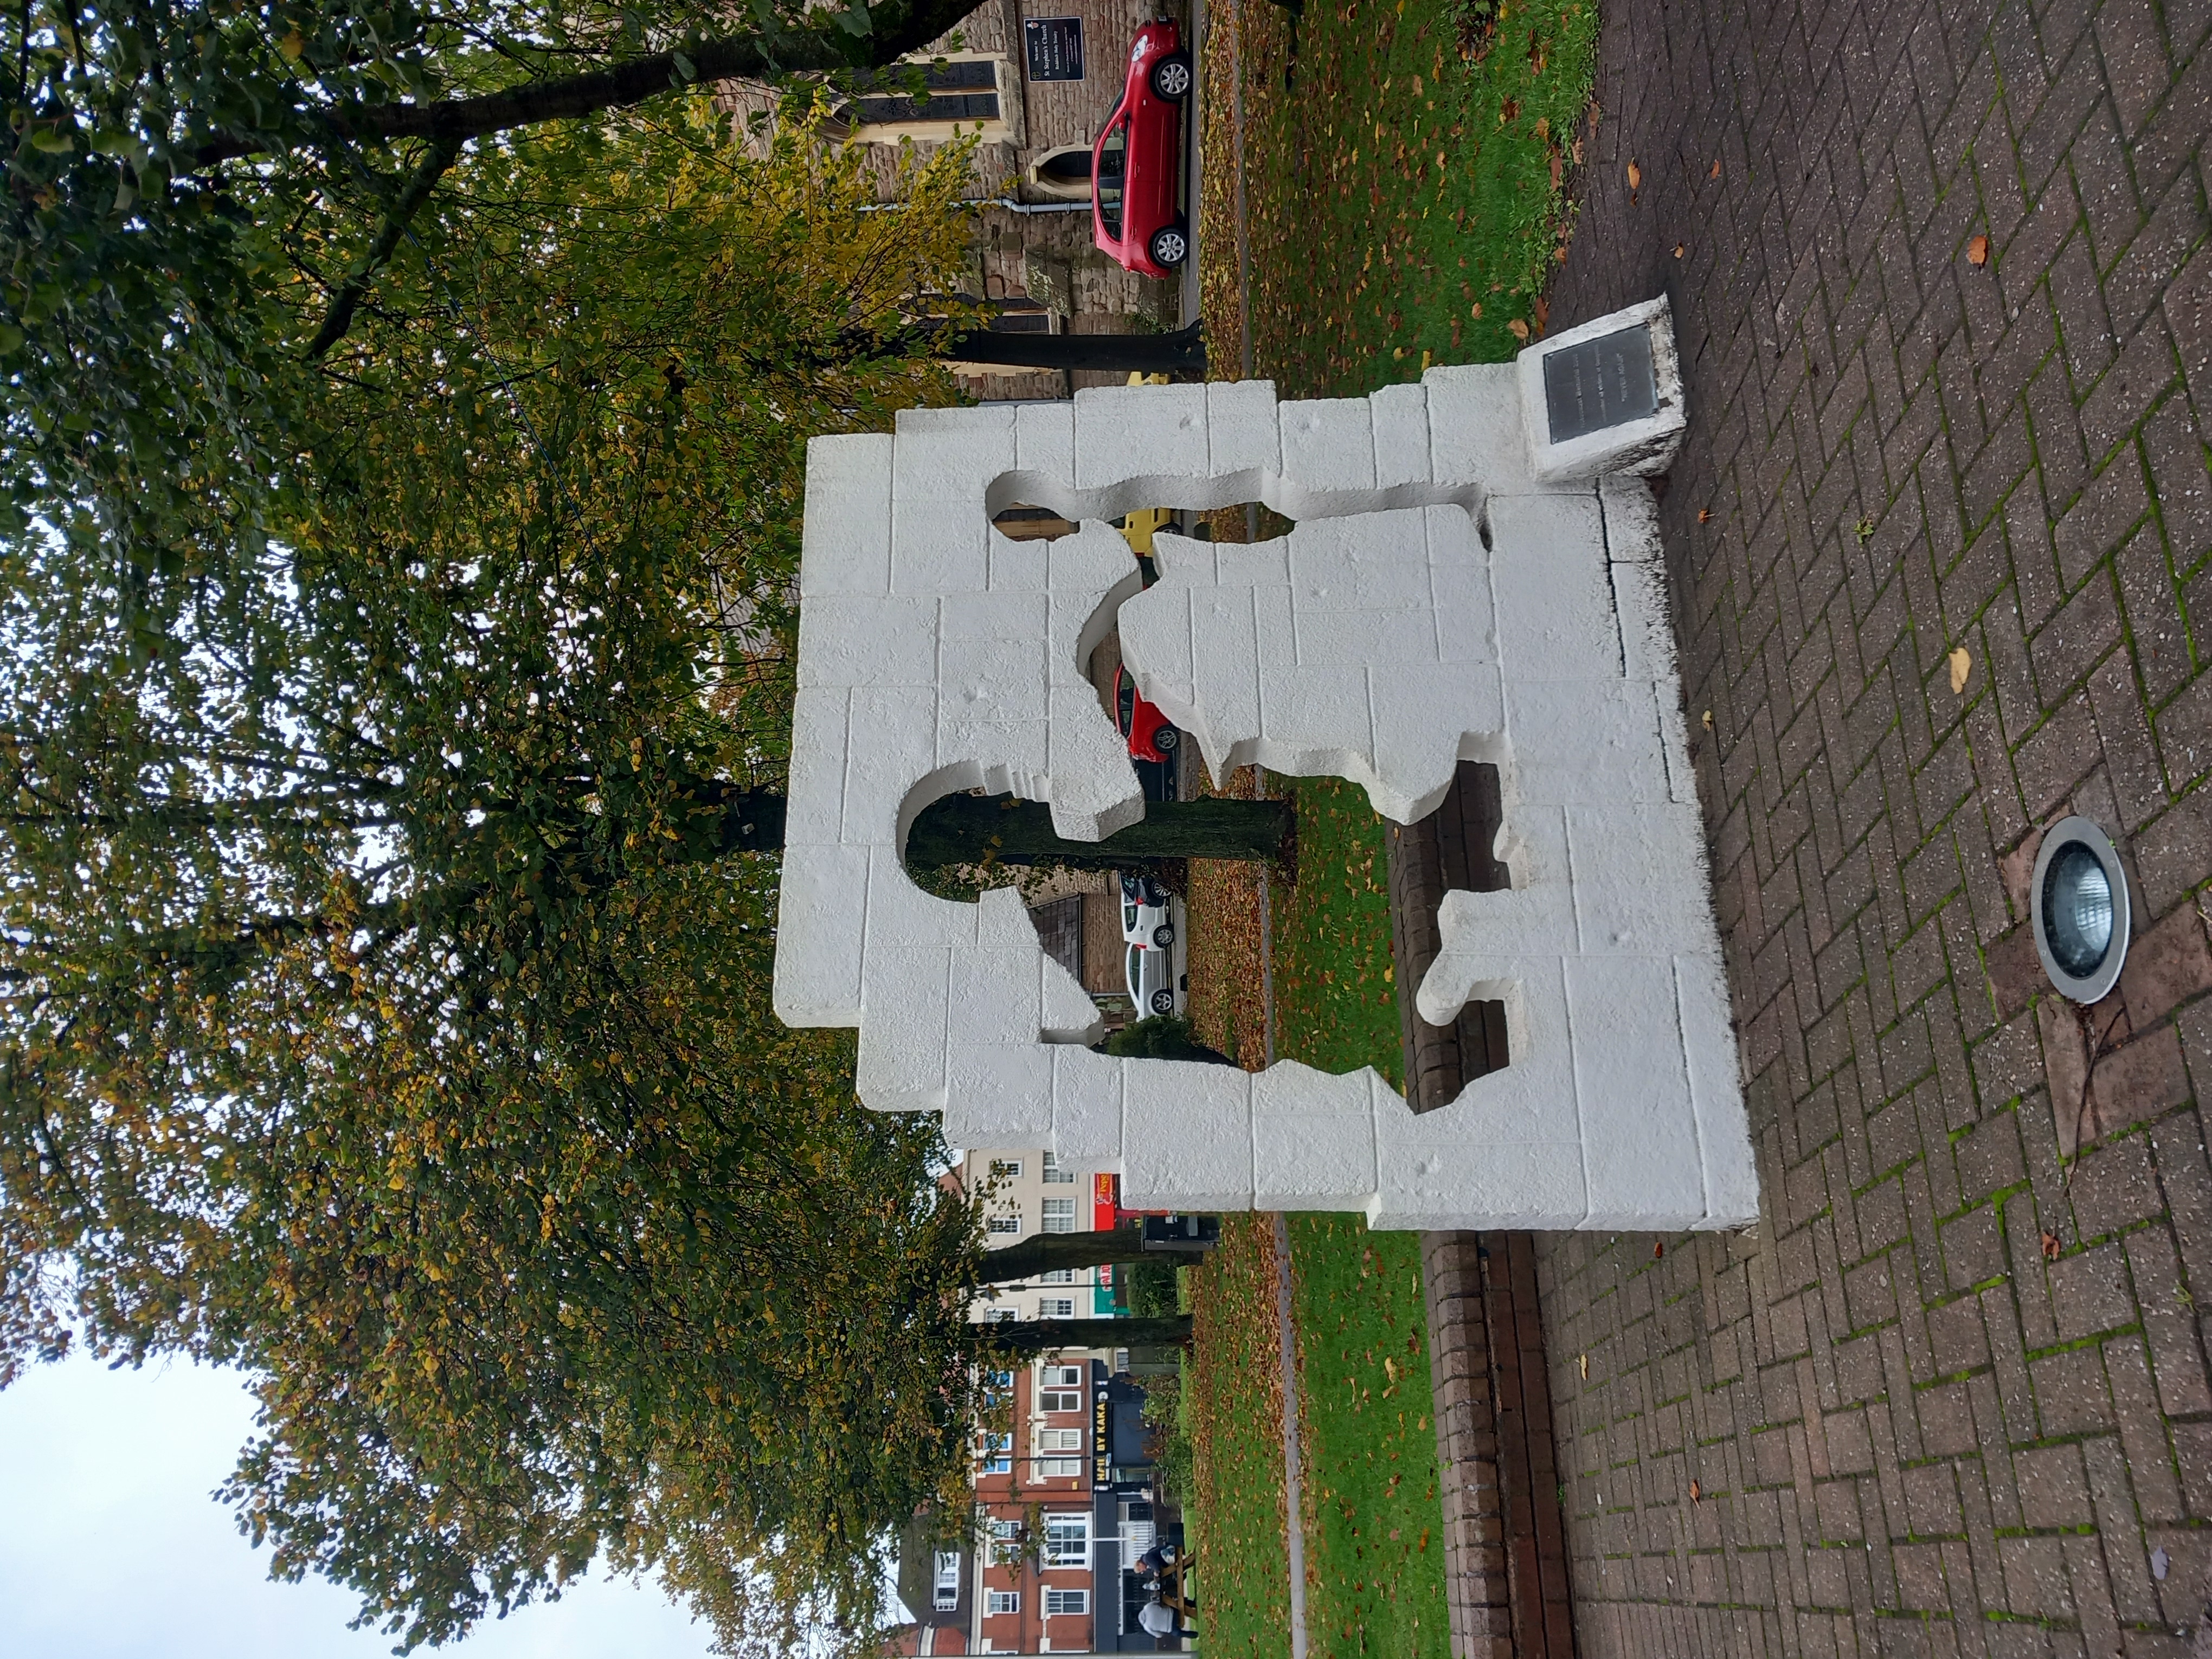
column 1243, row 443
column 1639, row 881
column 1067, row 1014
column 1632, row 521
column 814, row 801
column 952, row 455
column 1002, row 1091
column 1474, row 428
column 1086, row 1112
column 845, row 544
column 1187, row 1136
column 1400, row 415
column 892, row 743
column 1647, row 639
column 1016, row 567
column 817, row 964
column 1731, row 1171
column 1633, row 1086
column 1140, row 435
column 900, row 914
column 848, row 639
column 940, row 548
column 1044, row 444
column 1553, row 594
column 904, row 992
column 1313, row 1138
column 1328, row 444
column 1584, row 741
column 1446, row 1185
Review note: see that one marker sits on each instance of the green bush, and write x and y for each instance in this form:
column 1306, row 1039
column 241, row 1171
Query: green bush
column 1151, row 1288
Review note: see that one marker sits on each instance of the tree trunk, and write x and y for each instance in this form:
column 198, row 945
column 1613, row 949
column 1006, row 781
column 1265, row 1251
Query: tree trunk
column 897, row 29
column 969, row 829
column 1030, row 1337
column 1047, row 1252
column 1141, row 354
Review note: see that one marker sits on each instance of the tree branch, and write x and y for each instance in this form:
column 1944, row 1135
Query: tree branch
column 1036, row 1336
column 1050, row 1252
column 899, row 29
column 440, row 156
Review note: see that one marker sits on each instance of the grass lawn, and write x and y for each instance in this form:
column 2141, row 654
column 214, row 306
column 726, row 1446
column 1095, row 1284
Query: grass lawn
column 1407, row 192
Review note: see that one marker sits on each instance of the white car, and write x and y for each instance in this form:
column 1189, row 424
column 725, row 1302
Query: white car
column 1148, row 915
column 1150, row 934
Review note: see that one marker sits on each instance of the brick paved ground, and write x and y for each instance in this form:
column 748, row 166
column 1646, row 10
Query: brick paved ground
column 1885, row 1423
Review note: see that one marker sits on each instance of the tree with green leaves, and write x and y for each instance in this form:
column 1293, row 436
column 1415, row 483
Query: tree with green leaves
column 384, row 990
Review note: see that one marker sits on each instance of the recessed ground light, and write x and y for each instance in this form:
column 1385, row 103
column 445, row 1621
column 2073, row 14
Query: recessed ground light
column 2079, row 906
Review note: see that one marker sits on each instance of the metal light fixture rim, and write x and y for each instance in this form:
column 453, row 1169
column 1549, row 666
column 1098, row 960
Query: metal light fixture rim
column 2086, row 832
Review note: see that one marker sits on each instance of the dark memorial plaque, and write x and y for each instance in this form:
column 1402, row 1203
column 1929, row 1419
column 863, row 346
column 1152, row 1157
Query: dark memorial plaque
column 1055, row 47
column 1600, row 383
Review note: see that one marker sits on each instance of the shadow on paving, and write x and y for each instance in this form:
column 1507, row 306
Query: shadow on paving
column 1951, row 1397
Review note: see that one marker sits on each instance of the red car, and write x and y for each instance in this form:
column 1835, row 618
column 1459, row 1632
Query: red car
column 1150, row 736
column 1137, row 160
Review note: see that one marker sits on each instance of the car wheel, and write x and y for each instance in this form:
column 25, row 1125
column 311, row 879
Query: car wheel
column 1171, row 77
column 1163, row 936
column 1171, row 246
column 1164, row 738
column 1163, row 1002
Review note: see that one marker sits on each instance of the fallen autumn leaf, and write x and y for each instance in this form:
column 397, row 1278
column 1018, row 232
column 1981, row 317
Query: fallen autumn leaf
column 1962, row 664
column 1635, row 176
column 1977, row 251
column 2051, row 1247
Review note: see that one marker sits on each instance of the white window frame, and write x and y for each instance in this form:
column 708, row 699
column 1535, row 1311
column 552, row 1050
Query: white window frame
column 1059, row 1215
column 1055, row 1400
column 1058, row 1601
column 1060, row 1440
column 1059, row 1468
column 945, row 1592
column 1062, row 1377
column 1064, row 1527
column 996, row 1455
column 1055, row 1307
column 1054, row 1175
column 1006, row 1169
column 1007, row 1225
column 1056, row 1275
column 997, row 1601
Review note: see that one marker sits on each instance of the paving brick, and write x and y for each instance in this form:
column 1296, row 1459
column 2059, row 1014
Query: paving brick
column 1917, row 1087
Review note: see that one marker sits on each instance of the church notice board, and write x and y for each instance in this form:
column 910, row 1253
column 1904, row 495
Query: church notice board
column 1055, row 48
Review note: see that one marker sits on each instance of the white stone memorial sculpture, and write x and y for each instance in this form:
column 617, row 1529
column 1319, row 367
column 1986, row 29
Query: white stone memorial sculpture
column 1475, row 574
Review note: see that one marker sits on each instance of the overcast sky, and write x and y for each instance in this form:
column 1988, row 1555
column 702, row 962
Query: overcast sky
column 111, row 1547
